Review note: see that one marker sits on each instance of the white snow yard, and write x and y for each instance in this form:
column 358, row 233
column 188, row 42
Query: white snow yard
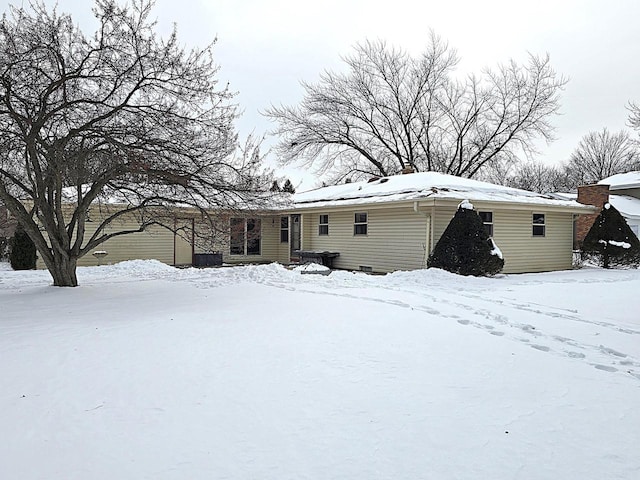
column 150, row 372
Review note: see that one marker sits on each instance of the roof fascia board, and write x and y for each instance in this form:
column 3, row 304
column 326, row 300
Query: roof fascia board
column 445, row 202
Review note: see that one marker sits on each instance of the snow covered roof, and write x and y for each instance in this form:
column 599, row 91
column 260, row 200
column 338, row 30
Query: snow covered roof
column 173, row 195
column 423, row 186
column 628, row 206
column 622, row 181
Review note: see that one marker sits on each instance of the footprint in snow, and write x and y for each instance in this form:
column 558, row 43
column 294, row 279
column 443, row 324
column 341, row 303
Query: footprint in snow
column 606, row 368
column 575, row 354
column 611, row 351
column 542, row 348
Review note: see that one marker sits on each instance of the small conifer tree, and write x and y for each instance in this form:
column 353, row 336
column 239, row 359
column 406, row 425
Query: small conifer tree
column 465, row 247
column 610, row 242
column 275, row 187
column 23, row 251
column 288, row 187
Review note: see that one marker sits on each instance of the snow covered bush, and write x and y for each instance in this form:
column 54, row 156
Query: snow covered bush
column 465, row 247
column 22, row 251
column 610, row 242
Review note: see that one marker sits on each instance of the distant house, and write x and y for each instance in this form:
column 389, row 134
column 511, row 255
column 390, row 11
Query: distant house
column 624, row 195
column 393, row 223
column 622, row 191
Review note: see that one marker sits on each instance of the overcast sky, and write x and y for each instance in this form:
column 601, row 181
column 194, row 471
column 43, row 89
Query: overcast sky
column 266, row 47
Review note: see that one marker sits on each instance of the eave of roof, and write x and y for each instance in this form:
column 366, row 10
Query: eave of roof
column 428, row 187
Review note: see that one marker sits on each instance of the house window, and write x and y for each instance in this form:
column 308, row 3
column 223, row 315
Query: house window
column 487, row 220
column 284, row 229
column 360, row 224
column 323, row 225
column 236, row 243
column 538, row 227
column 244, row 236
column 253, row 236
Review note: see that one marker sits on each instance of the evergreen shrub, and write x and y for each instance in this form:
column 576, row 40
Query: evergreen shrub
column 22, row 255
column 610, row 242
column 465, row 247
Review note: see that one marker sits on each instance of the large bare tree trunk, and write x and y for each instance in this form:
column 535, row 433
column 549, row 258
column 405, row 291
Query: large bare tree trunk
column 63, row 271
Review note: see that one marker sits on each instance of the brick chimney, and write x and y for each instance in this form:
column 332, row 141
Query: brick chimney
column 596, row 195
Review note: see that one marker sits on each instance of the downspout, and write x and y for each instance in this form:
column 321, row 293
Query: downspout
column 433, row 224
column 428, row 234
column 193, row 240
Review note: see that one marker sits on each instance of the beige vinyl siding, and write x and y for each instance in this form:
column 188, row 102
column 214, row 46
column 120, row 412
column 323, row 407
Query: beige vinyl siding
column 441, row 216
column 158, row 243
column 306, row 229
column 512, row 232
column 154, row 243
column 396, row 238
column 525, row 253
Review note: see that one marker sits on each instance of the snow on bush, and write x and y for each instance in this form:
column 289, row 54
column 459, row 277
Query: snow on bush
column 617, row 244
column 610, row 242
column 495, row 250
column 466, row 204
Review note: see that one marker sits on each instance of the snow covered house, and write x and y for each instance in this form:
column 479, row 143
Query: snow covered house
column 386, row 224
column 179, row 234
column 241, row 237
column 624, row 195
column 622, row 191
column 393, row 223
column 247, row 238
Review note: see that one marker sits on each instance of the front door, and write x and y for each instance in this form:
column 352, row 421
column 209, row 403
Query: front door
column 295, row 234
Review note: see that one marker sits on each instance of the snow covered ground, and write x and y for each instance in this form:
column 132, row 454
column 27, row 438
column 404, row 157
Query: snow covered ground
column 148, row 372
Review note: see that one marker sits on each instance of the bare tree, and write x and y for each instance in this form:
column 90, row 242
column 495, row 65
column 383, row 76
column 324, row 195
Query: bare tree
column 538, row 177
column 121, row 116
column 634, row 116
column 392, row 111
column 600, row 155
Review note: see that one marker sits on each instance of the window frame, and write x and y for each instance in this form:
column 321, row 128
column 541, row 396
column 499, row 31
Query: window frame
column 541, row 227
column 488, row 224
column 239, row 241
column 248, row 244
column 358, row 229
column 284, row 229
column 323, row 227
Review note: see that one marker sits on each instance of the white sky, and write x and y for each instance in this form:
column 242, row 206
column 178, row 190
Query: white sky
column 266, row 47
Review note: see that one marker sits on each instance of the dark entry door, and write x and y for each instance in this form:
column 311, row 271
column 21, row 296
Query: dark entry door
column 295, row 233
